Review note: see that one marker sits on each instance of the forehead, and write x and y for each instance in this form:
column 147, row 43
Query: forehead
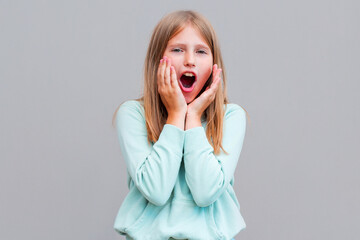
column 188, row 35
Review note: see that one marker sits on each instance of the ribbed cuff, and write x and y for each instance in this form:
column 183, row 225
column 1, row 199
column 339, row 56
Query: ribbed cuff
column 173, row 137
column 195, row 139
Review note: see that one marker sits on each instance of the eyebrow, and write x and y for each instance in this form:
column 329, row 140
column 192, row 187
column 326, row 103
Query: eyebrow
column 184, row 45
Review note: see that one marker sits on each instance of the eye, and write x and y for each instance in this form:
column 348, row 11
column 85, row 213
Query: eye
column 176, row 50
column 202, row 52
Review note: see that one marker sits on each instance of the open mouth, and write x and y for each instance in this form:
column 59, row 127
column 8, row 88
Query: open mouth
column 187, row 81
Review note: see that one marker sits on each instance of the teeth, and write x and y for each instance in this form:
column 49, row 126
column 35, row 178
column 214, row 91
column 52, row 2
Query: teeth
column 189, row 74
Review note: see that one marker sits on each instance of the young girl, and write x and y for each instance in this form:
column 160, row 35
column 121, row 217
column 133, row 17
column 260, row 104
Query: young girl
column 182, row 139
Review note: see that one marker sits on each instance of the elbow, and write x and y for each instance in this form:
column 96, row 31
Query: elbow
column 155, row 196
column 204, row 200
column 206, row 195
column 155, row 193
column 159, row 200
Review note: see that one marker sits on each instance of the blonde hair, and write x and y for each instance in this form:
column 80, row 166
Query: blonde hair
column 155, row 111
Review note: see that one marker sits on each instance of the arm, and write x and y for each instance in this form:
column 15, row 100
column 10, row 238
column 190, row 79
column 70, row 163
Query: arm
column 208, row 175
column 154, row 169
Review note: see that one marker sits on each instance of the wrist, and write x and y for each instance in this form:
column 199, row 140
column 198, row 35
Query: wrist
column 176, row 119
column 192, row 121
column 190, row 115
column 177, row 115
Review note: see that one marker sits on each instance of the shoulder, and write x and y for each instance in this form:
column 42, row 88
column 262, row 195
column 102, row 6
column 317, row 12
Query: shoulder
column 233, row 108
column 135, row 104
column 235, row 120
column 130, row 109
column 131, row 105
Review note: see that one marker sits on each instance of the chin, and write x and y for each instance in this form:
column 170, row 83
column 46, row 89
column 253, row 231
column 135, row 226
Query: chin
column 188, row 100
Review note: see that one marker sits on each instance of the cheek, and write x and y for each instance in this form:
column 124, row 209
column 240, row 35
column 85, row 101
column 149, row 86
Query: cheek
column 174, row 59
column 177, row 65
column 208, row 71
column 207, row 66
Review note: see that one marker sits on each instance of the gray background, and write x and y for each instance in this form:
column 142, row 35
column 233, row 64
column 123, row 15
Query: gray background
column 66, row 65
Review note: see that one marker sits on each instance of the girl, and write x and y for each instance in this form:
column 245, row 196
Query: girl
column 182, row 139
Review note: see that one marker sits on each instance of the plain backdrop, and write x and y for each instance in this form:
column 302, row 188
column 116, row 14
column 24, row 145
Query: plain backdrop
column 65, row 66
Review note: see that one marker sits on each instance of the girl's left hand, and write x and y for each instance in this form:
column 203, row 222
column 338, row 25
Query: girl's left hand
column 198, row 106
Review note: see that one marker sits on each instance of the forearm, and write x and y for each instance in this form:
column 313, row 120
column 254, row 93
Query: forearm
column 203, row 170
column 192, row 121
column 176, row 119
column 208, row 175
column 152, row 167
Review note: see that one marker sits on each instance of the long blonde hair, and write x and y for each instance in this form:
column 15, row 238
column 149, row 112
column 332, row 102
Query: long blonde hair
column 155, row 111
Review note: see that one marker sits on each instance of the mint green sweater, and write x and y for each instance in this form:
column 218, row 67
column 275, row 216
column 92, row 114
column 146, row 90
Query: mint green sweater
column 178, row 187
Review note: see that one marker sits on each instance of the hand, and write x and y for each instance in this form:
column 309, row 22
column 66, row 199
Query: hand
column 169, row 90
column 198, row 106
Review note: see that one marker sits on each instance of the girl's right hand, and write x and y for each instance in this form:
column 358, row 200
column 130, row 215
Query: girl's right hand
column 169, row 89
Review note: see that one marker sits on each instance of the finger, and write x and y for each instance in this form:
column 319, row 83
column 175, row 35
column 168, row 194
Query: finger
column 219, row 79
column 162, row 71
column 159, row 73
column 214, row 71
column 215, row 78
column 215, row 66
column 174, row 82
column 213, row 82
column 167, row 72
column 218, row 70
column 211, row 91
column 218, row 83
column 215, row 85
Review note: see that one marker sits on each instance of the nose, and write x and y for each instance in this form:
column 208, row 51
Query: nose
column 189, row 60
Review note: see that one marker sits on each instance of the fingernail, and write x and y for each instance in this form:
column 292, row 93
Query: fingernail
column 161, row 60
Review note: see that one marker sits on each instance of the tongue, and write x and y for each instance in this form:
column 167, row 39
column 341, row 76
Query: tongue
column 187, row 81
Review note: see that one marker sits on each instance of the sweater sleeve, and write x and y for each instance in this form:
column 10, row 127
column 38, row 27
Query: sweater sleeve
column 208, row 175
column 153, row 168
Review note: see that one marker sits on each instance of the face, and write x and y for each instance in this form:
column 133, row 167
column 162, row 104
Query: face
column 190, row 55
